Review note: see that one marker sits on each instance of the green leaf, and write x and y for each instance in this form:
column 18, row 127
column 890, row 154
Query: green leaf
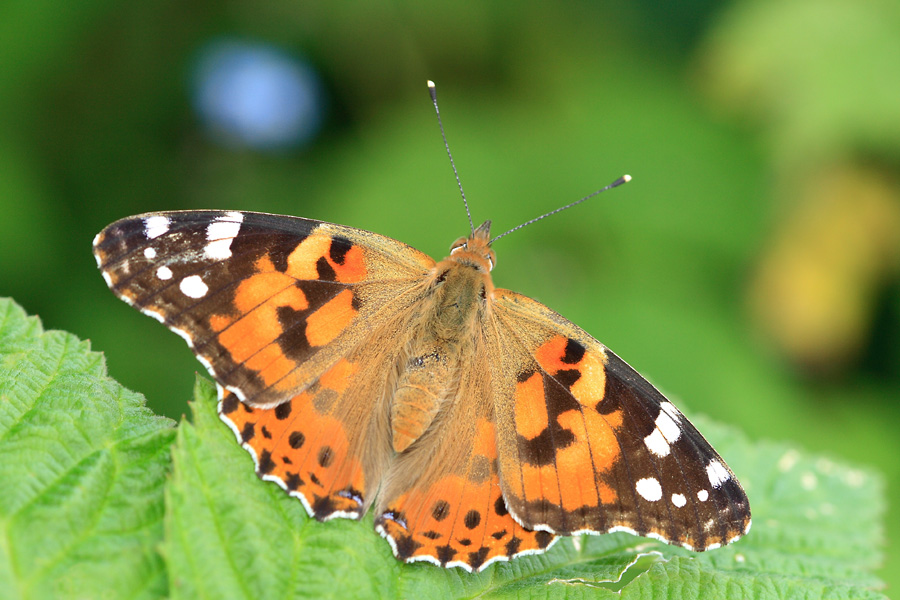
column 88, row 505
column 816, row 534
column 82, row 471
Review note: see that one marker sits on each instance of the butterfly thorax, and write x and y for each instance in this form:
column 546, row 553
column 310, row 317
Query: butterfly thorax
column 457, row 297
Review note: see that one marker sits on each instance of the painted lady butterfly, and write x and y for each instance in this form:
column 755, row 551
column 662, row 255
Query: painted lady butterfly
column 359, row 371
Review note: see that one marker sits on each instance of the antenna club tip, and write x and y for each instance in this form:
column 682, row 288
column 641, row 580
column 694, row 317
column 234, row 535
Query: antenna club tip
column 430, row 84
column 619, row 181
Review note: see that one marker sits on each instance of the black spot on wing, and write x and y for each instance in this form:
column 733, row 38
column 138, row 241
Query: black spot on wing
column 543, row 538
column 440, row 510
column 266, row 464
column 296, row 440
column 293, row 338
column 512, row 546
column 248, row 432
column 541, row 450
column 326, row 456
column 323, row 507
column 568, row 377
column 537, row 450
column 339, row 248
column 324, row 270
column 293, row 481
column 500, row 507
column 406, row 546
column 445, row 554
column 229, row 404
column 283, row 411
column 574, row 352
column 477, row 558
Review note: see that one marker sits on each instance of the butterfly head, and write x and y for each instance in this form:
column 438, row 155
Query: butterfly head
column 475, row 250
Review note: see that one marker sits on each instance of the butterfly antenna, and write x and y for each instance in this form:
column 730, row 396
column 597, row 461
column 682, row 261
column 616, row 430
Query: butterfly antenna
column 616, row 183
column 437, row 111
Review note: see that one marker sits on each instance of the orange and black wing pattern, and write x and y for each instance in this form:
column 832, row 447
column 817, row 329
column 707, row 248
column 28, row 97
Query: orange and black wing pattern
column 587, row 445
column 281, row 311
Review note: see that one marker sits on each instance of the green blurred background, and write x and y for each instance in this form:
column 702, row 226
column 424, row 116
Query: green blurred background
column 750, row 269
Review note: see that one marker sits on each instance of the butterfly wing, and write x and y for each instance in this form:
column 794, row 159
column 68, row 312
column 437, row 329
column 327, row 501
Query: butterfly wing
column 266, row 302
column 587, row 445
column 441, row 501
column 280, row 309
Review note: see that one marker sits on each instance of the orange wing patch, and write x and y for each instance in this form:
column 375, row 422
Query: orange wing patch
column 566, row 439
column 329, row 321
column 279, row 318
column 460, row 520
column 317, row 255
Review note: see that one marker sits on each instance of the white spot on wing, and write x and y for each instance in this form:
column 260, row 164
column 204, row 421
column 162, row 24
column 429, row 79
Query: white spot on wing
column 702, row 495
column 666, row 432
column 679, row 500
column 649, row 489
column 150, row 253
column 156, row 226
column 657, row 444
column 670, row 409
column 193, row 287
column 717, row 473
column 164, row 273
column 220, row 234
column 666, row 423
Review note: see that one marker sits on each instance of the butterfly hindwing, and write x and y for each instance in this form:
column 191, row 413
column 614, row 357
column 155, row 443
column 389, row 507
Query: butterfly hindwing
column 442, row 500
column 323, row 445
column 587, row 445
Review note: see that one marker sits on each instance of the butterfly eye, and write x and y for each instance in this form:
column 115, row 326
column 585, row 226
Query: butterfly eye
column 459, row 243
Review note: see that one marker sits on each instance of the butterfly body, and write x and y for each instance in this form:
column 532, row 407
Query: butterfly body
column 359, row 373
column 454, row 309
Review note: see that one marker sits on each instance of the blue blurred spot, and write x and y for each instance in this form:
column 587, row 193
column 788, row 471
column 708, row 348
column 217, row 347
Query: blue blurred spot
column 254, row 95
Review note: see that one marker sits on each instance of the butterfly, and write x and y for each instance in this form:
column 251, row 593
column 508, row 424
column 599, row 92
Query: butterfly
column 361, row 374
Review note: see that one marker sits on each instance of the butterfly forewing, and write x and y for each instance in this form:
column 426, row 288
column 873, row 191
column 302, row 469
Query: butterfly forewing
column 588, row 445
column 265, row 302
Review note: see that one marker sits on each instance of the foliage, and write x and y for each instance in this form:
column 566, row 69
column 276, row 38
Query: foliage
column 102, row 499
